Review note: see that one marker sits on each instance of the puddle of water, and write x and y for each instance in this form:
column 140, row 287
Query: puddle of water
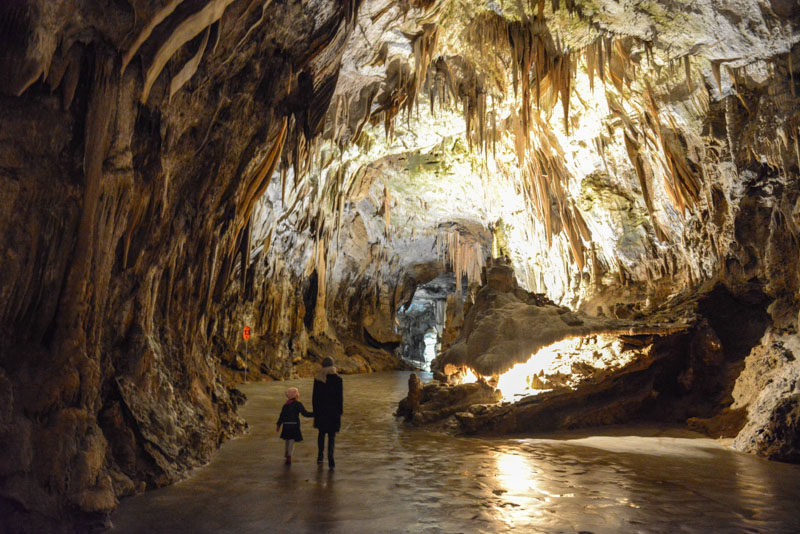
column 396, row 479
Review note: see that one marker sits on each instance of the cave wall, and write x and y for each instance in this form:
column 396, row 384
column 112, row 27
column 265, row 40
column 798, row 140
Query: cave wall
column 131, row 165
column 137, row 142
column 305, row 301
column 757, row 231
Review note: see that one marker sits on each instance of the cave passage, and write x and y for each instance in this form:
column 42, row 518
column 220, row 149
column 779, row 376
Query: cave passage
column 394, row 478
column 421, row 321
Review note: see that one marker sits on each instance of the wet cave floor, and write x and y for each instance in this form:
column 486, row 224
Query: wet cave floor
column 393, row 478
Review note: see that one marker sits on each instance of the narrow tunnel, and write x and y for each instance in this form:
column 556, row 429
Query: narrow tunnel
column 550, row 249
column 421, row 321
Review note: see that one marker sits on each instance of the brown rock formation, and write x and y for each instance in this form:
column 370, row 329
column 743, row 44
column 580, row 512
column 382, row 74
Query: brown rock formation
column 436, row 401
column 506, row 325
column 673, row 377
column 129, row 170
column 173, row 170
column 687, row 373
column 454, row 321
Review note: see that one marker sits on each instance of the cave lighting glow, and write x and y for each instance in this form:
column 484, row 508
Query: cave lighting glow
column 513, row 472
column 469, row 377
column 517, row 381
column 594, row 352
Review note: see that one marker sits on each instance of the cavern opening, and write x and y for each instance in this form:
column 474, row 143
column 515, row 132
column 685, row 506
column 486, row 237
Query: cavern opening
column 543, row 243
column 421, row 321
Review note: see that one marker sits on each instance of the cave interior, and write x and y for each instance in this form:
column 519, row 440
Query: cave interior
column 588, row 208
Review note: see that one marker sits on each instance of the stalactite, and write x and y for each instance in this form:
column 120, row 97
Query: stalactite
column 633, row 150
column 189, row 68
column 265, row 4
column 260, row 180
column 157, row 19
column 184, row 32
column 387, row 201
column 461, row 252
column 424, row 46
column 688, row 68
column 73, row 311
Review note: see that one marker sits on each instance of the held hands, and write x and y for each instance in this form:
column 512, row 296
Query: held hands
column 278, row 428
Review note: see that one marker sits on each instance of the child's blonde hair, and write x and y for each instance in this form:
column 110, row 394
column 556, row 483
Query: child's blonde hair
column 292, row 393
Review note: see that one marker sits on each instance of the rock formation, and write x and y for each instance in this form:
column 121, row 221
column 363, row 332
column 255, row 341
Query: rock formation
column 507, row 324
column 173, row 170
column 131, row 167
column 594, row 371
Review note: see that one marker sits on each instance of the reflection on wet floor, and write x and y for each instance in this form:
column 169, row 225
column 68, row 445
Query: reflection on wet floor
column 390, row 478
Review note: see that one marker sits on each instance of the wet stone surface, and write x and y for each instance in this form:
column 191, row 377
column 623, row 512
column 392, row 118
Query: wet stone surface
column 398, row 479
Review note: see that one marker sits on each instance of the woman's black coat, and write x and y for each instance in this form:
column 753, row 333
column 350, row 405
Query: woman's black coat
column 327, row 402
column 290, row 419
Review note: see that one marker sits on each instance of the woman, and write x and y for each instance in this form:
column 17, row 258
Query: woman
column 326, row 401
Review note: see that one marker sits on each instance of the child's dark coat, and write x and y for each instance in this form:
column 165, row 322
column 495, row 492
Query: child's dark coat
column 290, row 419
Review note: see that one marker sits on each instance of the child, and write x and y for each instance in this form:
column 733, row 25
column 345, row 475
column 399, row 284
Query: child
column 290, row 419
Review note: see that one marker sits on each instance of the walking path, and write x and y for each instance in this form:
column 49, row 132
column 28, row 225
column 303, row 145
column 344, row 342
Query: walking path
column 394, row 479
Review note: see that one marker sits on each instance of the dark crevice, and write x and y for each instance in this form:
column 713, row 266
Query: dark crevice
column 739, row 320
column 389, row 346
column 310, row 300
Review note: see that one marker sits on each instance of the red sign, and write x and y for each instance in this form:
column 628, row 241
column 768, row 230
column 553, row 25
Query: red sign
column 246, row 333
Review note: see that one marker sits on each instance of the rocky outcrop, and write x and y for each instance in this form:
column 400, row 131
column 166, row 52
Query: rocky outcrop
column 687, row 372
column 768, row 390
column 453, row 321
column 507, row 324
column 129, row 168
column 780, row 439
column 676, row 378
column 436, row 401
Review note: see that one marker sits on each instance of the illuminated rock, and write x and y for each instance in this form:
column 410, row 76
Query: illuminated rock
column 171, row 171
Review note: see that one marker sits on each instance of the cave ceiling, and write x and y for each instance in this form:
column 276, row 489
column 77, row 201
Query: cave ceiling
column 582, row 134
column 171, row 170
